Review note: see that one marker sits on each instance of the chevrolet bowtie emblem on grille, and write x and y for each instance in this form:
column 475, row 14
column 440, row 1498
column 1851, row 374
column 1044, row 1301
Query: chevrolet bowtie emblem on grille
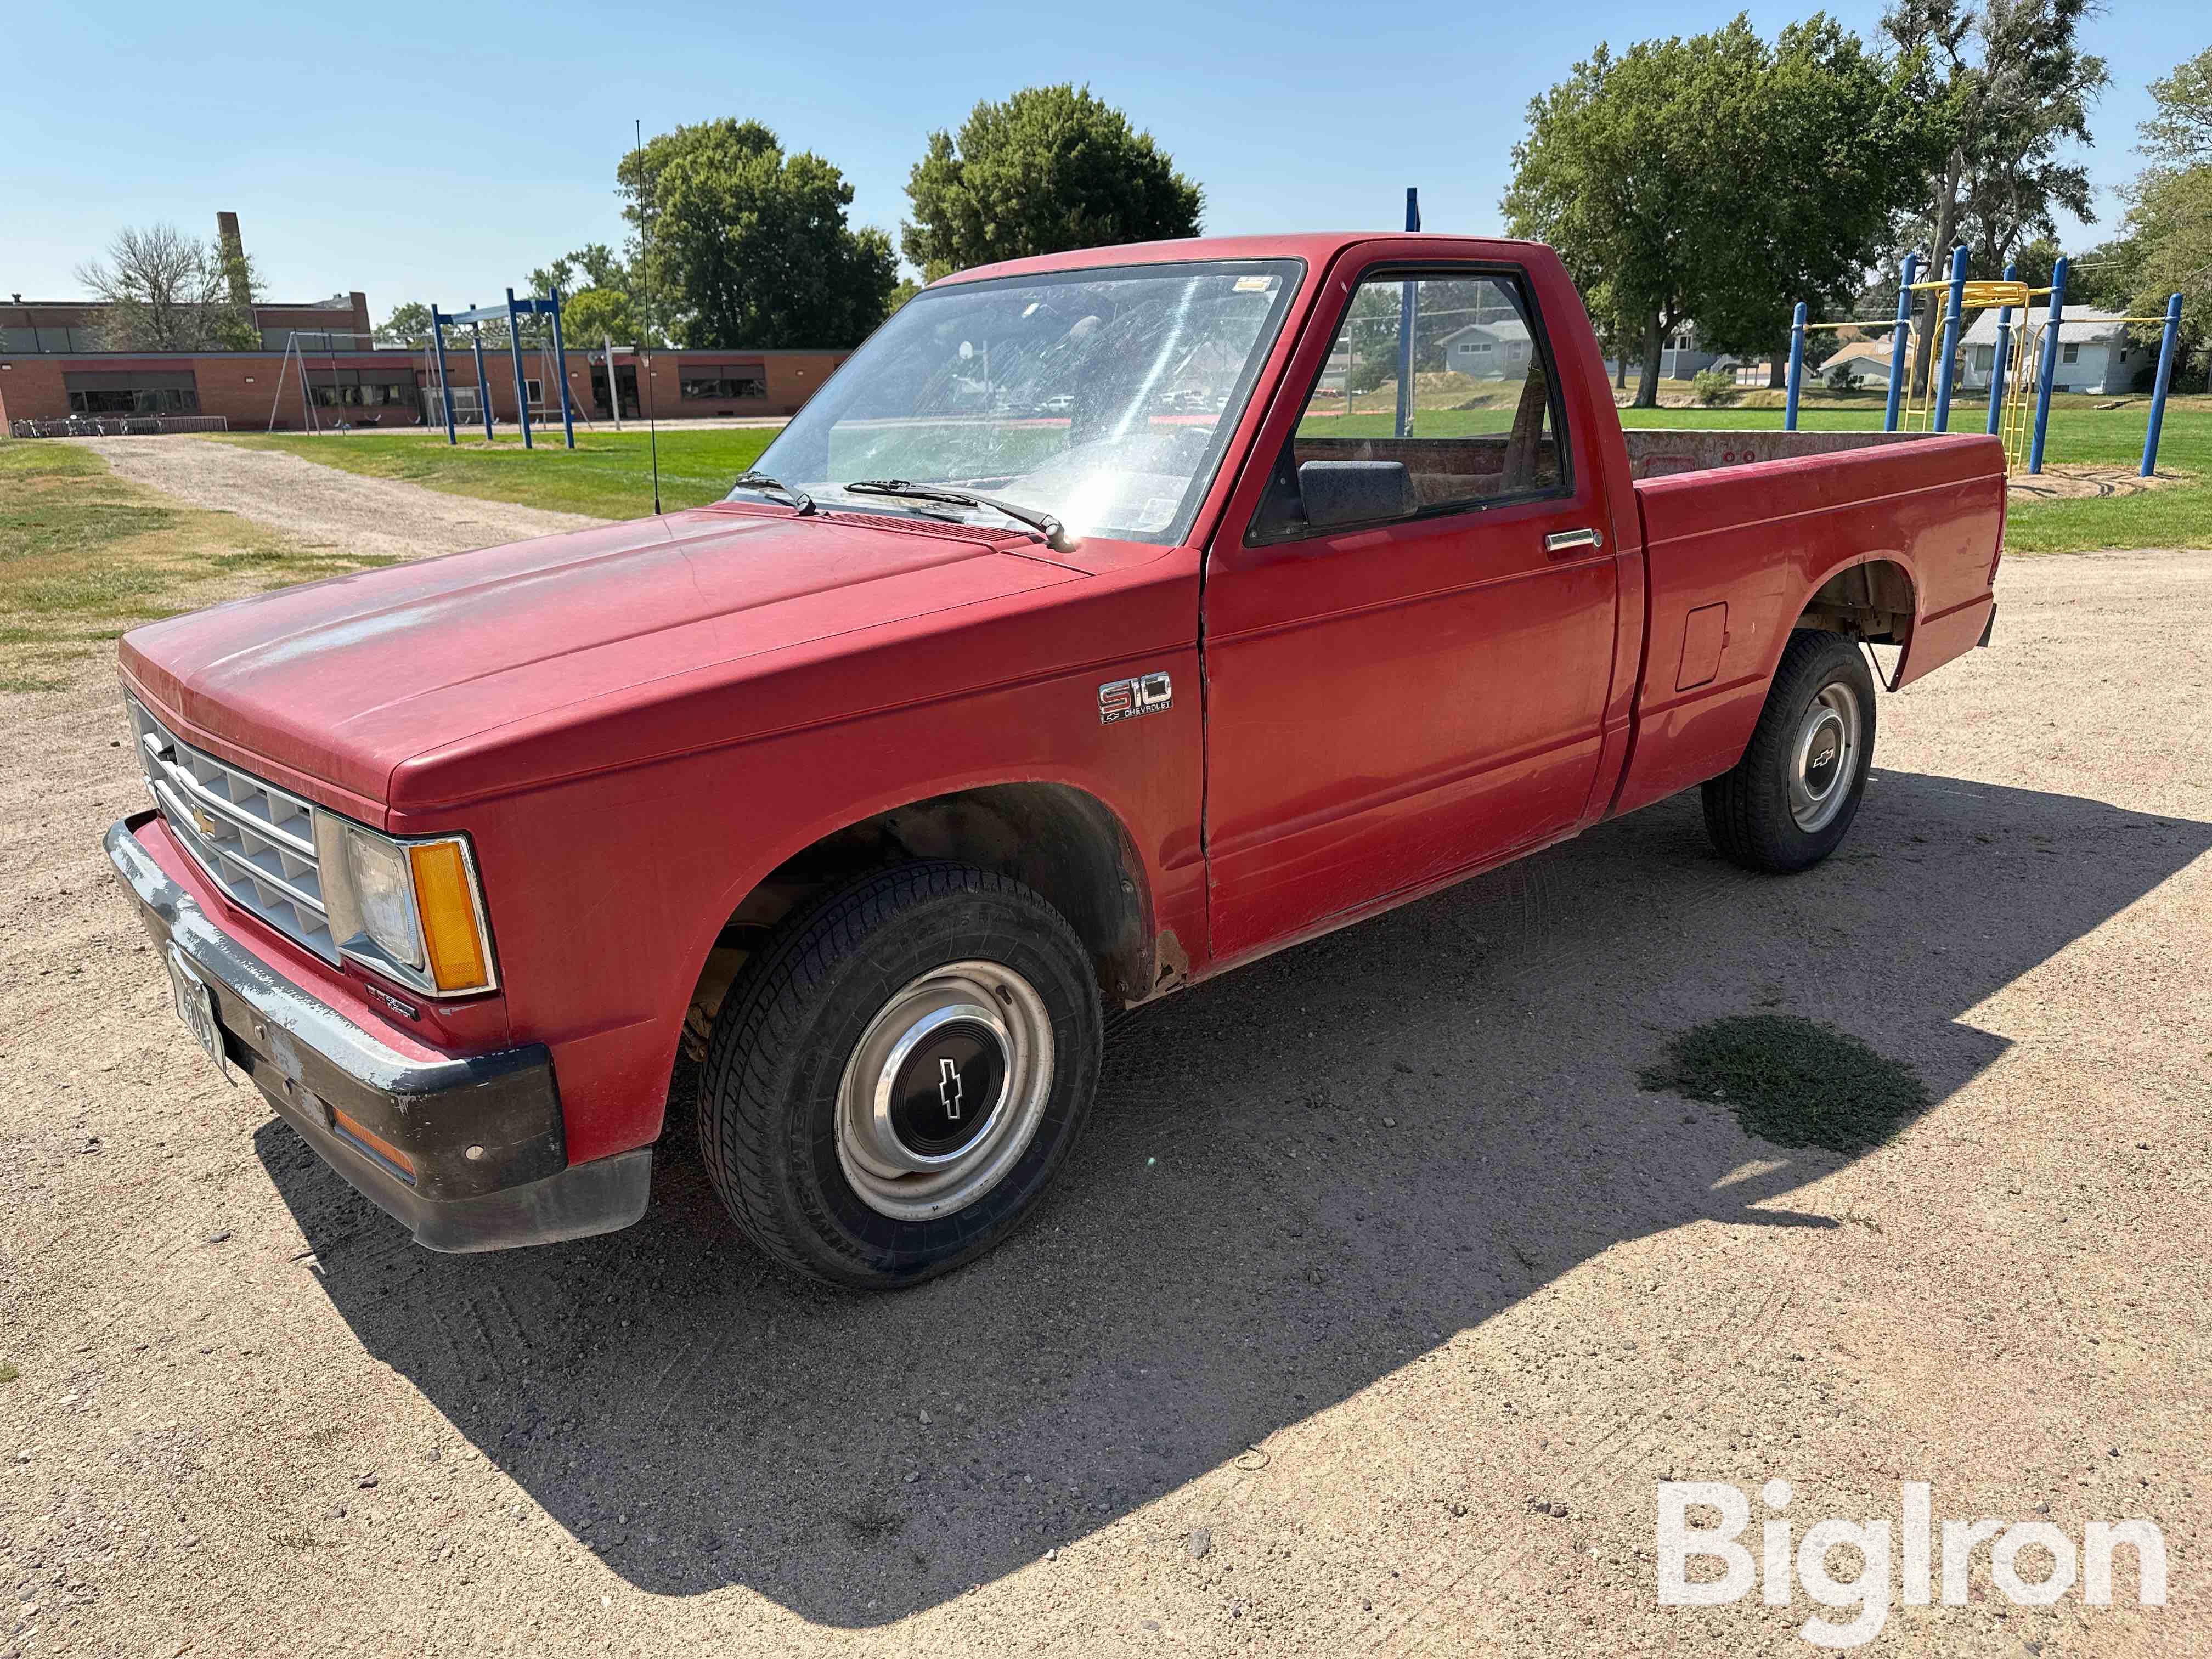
column 948, row 1088
column 1124, row 700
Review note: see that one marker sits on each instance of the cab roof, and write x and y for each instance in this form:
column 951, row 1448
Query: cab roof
column 1318, row 248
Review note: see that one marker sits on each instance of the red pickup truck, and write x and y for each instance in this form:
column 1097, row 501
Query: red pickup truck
column 1106, row 622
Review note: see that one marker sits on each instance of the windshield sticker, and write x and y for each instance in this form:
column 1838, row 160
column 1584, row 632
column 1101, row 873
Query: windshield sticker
column 1256, row 284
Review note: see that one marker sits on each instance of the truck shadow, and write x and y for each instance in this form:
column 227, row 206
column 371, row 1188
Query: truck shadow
column 1299, row 1179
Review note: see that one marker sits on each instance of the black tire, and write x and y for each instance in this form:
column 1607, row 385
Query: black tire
column 1749, row 809
column 769, row 1092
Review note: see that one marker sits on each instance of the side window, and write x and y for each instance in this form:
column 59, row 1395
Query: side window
column 1481, row 425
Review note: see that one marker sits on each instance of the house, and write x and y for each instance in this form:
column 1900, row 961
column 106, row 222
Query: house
column 1745, row 371
column 1867, row 360
column 2094, row 352
column 1681, row 357
column 1489, row 351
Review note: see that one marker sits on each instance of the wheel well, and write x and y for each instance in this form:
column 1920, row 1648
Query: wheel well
column 1871, row 602
column 1060, row 841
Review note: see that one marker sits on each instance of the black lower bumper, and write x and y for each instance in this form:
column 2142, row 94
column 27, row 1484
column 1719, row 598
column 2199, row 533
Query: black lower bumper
column 485, row 1161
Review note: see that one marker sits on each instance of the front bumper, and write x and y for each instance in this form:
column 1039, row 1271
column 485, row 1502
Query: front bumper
column 482, row 1133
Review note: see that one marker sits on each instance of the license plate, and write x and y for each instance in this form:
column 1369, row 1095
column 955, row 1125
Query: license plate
column 196, row 1007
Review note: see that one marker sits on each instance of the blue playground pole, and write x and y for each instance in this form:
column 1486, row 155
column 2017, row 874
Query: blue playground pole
column 2168, row 341
column 1950, row 363
column 1797, row 368
column 483, row 385
column 1408, row 310
column 560, row 359
column 1898, row 355
column 445, row 386
column 515, row 350
column 2049, row 364
column 1997, row 362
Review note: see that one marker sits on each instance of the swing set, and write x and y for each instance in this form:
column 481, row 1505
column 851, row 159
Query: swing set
column 2021, row 368
column 552, row 368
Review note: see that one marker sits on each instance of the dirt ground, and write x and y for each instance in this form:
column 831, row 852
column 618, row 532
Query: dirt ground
column 2077, row 481
column 319, row 506
column 1365, row 1319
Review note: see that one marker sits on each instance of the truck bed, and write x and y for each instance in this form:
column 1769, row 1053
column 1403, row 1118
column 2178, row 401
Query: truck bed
column 1740, row 528
column 1667, row 452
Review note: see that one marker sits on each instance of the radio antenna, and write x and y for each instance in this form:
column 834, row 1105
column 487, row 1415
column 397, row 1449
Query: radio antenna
column 645, row 288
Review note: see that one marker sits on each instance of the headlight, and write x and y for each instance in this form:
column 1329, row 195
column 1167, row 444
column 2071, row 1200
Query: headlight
column 410, row 909
column 385, row 894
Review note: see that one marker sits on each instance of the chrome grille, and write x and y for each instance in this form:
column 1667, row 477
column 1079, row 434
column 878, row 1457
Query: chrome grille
column 256, row 842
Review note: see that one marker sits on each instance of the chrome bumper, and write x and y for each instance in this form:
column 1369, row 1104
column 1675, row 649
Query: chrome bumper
column 483, row 1132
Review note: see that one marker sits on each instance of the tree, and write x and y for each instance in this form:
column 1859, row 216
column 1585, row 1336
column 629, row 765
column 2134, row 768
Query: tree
column 1049, row 169
column 2004, row 85
column 597, row 264
column 594, row 314
column 2180, row 134
column 1618, row 172
column 409, row 324
column 2168, row 245
column 739, row 245
column 600, row 296
column 165, row 291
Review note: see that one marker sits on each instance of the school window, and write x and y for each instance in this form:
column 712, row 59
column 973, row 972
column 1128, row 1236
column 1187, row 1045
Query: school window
column 359, row 388
column 150, row 392
column 150, row 400
column 723, row 384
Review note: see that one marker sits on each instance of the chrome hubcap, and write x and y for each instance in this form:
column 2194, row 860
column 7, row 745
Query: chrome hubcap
column 1824, row 757
column 945, row 1091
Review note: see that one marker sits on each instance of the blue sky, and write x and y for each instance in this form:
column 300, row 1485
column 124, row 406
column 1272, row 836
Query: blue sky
column 363, row 147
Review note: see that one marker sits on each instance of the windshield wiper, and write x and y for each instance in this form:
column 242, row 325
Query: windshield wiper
column 1043, row 523
column 801, row 502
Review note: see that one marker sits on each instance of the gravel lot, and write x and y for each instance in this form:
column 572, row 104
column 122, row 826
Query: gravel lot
column 320, row 505
column 1364, row 1319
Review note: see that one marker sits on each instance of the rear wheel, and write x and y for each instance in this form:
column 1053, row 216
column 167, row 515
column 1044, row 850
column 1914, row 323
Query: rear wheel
column 893, row 1083
column 1787, row 803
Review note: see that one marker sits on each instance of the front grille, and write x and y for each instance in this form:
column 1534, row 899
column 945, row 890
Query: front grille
column 256, row 842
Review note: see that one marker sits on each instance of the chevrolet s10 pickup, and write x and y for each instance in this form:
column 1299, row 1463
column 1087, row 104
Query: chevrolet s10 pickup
column 1100, row 625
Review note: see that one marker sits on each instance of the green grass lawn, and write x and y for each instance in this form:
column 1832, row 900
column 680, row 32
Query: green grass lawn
column 85, row 555
column 608, row 475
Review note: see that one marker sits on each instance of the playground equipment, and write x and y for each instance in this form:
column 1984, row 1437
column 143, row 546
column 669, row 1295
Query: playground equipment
column 296, row 353
column 552, row 363
column 1409, row 299
column 2021, row 368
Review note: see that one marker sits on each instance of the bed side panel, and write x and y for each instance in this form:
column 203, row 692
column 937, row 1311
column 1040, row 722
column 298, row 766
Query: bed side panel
column 1761, row 540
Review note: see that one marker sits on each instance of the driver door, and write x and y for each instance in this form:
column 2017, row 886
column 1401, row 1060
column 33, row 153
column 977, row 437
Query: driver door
column 1417, row 688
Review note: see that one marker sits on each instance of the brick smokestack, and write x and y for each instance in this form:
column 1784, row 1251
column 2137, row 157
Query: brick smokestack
column 233, row 250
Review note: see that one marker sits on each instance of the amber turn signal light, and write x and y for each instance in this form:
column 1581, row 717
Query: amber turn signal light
column 452, row 932
column 354, row 1129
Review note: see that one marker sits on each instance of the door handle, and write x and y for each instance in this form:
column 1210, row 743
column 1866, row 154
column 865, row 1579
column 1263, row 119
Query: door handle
column 1569, row 541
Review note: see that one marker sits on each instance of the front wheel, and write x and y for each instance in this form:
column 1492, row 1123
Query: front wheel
column 891, row 1085
column 1787, row 804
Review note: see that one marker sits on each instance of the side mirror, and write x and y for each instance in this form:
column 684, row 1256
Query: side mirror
column 1355, row 492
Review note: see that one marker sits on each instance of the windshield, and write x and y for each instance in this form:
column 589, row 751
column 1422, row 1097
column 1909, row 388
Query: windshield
column 1103, row 397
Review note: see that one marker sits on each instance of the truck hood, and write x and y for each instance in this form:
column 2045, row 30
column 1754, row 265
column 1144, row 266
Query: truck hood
column 344, row 680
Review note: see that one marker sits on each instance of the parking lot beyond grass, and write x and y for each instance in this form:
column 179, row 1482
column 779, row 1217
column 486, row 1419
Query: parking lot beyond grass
column 609, row 474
